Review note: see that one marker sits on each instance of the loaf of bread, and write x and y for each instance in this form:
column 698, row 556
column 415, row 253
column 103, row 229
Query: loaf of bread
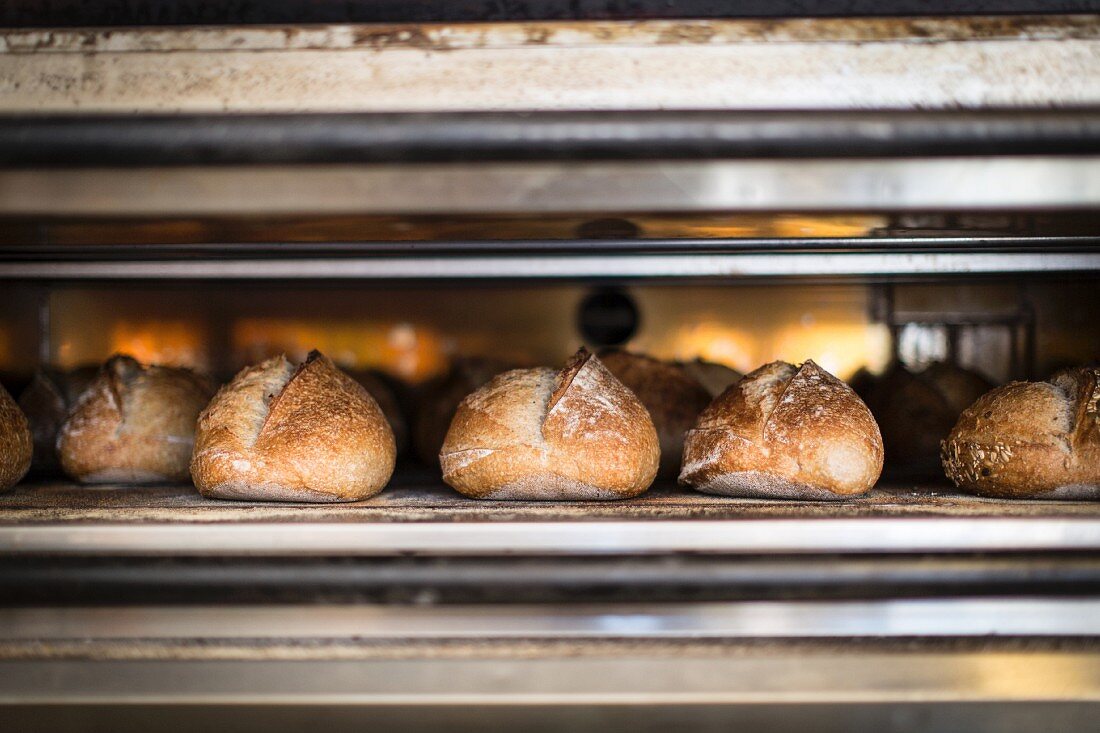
column 15, row 442
column 715, row 378
column 673, row 398
column 573, row 434
column 46, row 402
column 784, row 432
column 283, row 433
column 916, row 410
column 1030, row 440
column 133, row 424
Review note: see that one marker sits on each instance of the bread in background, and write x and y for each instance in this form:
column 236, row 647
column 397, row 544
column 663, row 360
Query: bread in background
column 438, row 399
column 134, row 423
column 673, row 398
column 784, row 432
column 543, row 434
column 385, row 393
column 916, row 411
column 46, row 402
column 715, row 378
column 1030, row 440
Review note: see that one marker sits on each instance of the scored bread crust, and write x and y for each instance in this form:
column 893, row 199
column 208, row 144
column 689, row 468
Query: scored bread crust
column 133, row 424
column 534, row 434
column 673, row 398
column 276, row 433
column 784, row 432
column 16, row 443
column 1030, row 440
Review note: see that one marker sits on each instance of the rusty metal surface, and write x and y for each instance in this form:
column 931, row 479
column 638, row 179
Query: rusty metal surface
column 420, row 499
column 897, row 63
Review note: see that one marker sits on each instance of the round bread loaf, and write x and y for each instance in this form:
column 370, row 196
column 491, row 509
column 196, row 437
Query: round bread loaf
column 916, row 411
column 46, row 402
column 784, row 432
column 536, row 434
column 715, row 378
column 280, row 433
column 16, row 444
column 133, row 424
column 1030, row 440
column 673, row 398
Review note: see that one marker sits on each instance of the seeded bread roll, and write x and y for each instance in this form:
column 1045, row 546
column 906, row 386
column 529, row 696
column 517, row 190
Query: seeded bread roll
column 715, row 378
column 46, row 402
column 283, row 433
column 15, row 442
column 574, row 434
column 1030, row 440
column 673, row 398
column 784, row 432
column 133, row 424
column 916, row 411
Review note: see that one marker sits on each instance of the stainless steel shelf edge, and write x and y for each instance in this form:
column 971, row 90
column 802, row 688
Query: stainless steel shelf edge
column 791, row 184
column 641, row 678
column 565, row 266
column 955, row 617
column 889, row 535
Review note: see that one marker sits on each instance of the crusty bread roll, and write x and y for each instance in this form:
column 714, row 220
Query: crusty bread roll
column 715, row 378
column 1030, row 439
column 673, row 398
column 283, row 433
column 916, row 410
column 133, row 424
column 46, row 402
column 15, row 442
column 784, row 432
column 577, row 433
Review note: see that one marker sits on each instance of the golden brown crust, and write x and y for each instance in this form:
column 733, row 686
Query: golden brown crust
column 133, row 424
column 673, row 398
column 1030, row 440
column 16, row 443
column 784, row 432
column 577, row 433
column 276, row 433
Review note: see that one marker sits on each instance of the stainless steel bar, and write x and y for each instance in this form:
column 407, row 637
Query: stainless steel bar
column 957, row 617
column 564, row 266
column 893, row 535
column 643, row 678
column 870, row 184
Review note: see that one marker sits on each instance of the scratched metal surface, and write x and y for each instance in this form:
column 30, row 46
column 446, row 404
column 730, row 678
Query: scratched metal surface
column 799, row 63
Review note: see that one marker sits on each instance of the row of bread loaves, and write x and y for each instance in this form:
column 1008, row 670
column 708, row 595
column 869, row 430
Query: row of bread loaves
column 596, row 429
